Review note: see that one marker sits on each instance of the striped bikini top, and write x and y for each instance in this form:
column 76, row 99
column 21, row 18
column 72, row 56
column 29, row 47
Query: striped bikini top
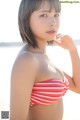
column 48, row 91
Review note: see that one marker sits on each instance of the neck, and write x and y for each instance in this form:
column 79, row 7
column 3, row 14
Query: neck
column 40, row 50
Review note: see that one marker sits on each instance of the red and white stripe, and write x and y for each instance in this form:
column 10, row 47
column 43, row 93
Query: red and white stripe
column 48, row 91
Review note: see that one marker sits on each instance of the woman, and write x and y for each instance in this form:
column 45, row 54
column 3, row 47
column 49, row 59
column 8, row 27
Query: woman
column 37, row 86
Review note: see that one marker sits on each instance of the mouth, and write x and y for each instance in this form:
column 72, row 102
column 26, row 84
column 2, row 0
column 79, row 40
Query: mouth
column 51, row 32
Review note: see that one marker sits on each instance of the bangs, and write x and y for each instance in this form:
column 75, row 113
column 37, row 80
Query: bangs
column 53, row 4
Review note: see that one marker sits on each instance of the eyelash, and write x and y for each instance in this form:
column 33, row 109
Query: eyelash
column 45, row 15
column 57, row 15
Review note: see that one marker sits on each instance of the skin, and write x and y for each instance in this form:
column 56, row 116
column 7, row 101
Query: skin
column 41, row 68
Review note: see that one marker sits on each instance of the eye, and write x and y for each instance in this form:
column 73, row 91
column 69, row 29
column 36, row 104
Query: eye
column 57, row 15
column 44, row 15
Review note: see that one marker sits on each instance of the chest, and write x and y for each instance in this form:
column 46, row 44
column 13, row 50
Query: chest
column 47, row 70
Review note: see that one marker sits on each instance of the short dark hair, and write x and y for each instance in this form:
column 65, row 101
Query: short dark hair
column 27, row 7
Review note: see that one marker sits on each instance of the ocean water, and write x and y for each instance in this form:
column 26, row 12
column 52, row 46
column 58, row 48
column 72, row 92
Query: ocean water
column 60, row 58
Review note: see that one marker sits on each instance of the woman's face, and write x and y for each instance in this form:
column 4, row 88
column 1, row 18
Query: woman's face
column 44, row 24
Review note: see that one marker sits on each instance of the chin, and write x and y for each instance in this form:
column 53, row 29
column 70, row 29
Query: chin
column 51, row 38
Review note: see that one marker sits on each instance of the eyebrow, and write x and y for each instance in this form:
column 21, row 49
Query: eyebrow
column 45, row 11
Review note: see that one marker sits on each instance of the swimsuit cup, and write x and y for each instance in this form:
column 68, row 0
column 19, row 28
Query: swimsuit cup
column 48, row 91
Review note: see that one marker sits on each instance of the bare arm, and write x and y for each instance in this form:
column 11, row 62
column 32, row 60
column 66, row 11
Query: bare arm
column 22, row 80
column 75, row 80
column 67, row 43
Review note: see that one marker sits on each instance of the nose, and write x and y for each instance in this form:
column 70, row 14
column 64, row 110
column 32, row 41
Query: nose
column 52, row 21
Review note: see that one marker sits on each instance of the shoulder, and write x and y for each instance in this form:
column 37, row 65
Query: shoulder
column 25, row 65
column 26, row 58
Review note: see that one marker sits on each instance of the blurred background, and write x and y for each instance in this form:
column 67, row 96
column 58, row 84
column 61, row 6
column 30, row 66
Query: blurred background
column 11, row 43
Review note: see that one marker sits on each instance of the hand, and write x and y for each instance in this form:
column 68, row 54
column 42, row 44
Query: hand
column 64, row 41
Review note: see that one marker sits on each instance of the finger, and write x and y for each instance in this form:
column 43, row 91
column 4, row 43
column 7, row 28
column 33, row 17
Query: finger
column 58, row 40
column 58, row 36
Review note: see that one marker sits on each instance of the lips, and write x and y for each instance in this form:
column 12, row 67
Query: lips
column 51, row 31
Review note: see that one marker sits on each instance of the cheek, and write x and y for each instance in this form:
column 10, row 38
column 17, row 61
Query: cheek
column 57, row 24
column 36, row 25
